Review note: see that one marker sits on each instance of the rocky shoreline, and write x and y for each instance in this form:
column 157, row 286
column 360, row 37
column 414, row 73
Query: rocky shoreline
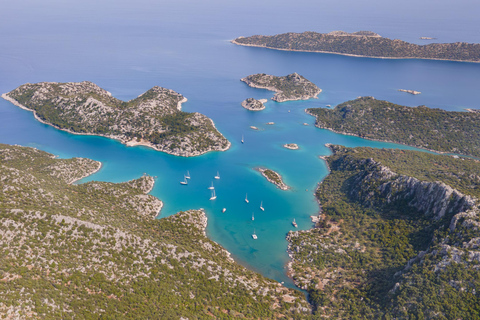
column 273, row 177
column 351, row 54
column 291, row 146
column 292, row 87
column 371, row 139
column 254, row 104
column 185, row 150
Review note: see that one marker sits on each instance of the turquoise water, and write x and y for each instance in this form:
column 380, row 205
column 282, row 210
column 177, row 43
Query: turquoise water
column 128, row 48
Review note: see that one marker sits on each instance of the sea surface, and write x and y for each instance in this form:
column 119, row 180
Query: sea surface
column 127, row 47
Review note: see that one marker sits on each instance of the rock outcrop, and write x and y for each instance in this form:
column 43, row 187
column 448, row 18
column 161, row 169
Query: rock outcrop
column 253, row 104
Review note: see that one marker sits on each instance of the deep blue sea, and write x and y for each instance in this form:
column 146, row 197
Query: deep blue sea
column 127, row 47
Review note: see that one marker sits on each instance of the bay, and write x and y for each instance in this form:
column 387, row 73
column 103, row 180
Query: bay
column 127, row 48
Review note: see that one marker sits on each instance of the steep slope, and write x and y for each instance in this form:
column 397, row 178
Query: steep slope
column 389, row 244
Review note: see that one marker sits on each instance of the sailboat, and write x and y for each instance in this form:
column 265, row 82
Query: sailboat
column 254, row 236
column 242, row 138
column 184, row 180
column 261, row 206
column 217, row 176
column 246, row 200
column 211, row 187
column 188, row 175
column 213, row 197
column 294, row 223
column 224, row 209
column 253, row 217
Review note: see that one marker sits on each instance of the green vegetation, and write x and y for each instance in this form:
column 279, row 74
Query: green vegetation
column 272, row 175
column 153, row 118
column 290, row 87
column 94, row 250
column 363, row 43
column 356, row 263
column 422, row 127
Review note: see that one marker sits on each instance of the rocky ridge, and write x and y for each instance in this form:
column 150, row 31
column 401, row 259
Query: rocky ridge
column 152, row 119
column 324, row 258
column 288, row 88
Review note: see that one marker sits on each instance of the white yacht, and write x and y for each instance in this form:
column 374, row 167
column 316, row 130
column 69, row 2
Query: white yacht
column 184, row 180
column 242, row 138
column 211, row 187
column 188, row 175
column 213, row 197
column 261, row 206
column 217, row 176
column 246, row 199
column 224, row 209
column 254, row 236
column 253, row 216
column 294, row 223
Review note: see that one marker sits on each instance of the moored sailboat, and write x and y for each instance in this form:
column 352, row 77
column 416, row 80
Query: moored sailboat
column 184, row 182
column 261, row 206
column 213, row 197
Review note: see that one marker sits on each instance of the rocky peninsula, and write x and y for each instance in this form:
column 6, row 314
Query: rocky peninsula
column 254, row 104
column 363, row 44
column 288, row 88
column 432, row 129
column 153, row 119
column 394, row 227
column 409, row 91
column 273, row 177
column 95, row 250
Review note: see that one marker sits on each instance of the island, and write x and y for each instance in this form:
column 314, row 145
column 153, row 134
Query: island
column 291, row 146
column 254, row 104
column 396, row 238
column 432, row 129
column 409, row 91
column 273, row 177
column 96, row 250
column 288, row 88
column 363, row 44
column 153, row 119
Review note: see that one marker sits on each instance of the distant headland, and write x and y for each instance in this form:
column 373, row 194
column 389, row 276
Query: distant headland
column 363, row 44
column 153, row 119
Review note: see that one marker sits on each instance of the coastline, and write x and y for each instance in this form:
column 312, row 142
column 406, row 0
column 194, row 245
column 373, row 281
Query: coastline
column 386, row 141
column 281, row 185
column 277, row 91
column 347, row 54
column 88, row 174
column 128, row 143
